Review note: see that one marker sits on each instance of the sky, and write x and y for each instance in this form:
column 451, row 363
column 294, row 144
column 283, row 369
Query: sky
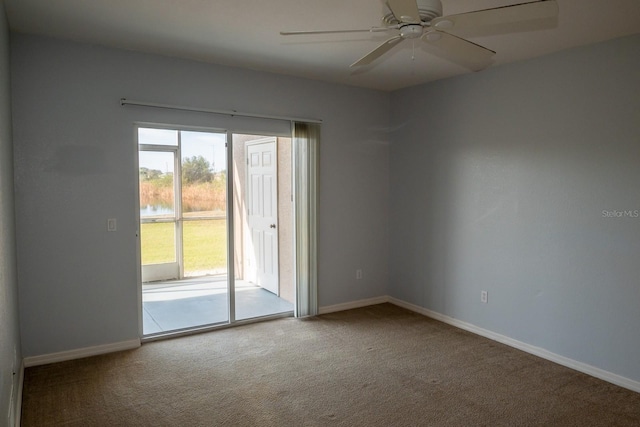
column 209, row 145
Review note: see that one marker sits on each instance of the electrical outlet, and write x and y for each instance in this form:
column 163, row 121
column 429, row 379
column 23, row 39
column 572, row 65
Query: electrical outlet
column 358, row 274
column 112, row 224
column 484, row 297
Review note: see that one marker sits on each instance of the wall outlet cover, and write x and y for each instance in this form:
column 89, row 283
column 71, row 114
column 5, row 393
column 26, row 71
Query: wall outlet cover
column 484, row 297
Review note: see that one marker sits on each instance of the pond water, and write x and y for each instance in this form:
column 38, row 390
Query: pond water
column 155, row 210
column 166, row 210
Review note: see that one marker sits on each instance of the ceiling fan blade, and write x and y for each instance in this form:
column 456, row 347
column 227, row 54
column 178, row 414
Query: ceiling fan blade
column 377, row 52
column 538, row 15
column 404, row 10
column 370, row 30
column 458, row 50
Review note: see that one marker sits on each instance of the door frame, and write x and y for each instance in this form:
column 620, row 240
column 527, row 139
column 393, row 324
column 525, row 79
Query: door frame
column 305, row 171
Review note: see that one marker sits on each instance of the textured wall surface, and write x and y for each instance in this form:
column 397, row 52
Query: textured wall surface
column 75, row 167
column 522, row 180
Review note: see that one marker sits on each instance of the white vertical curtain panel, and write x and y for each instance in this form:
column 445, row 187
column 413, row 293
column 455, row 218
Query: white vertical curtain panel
column 306, row 141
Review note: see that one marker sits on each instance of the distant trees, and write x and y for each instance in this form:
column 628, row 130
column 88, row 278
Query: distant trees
column 147, row 174
column 196, row 169
column 202, row 189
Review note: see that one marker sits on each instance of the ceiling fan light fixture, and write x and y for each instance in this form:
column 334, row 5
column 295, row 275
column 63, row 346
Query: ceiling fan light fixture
column 412, row 31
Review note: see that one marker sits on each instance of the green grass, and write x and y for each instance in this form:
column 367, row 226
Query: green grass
column 205, row 244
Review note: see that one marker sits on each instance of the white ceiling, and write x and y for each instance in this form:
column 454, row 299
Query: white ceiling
column 245, row 33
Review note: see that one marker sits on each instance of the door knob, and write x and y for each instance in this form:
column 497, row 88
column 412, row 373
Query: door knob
column 272, row 226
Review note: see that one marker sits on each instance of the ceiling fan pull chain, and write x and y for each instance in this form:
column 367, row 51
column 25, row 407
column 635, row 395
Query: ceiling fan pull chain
column 413, row 50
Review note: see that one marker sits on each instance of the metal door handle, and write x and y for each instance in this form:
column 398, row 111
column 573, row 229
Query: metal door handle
column 272, row 226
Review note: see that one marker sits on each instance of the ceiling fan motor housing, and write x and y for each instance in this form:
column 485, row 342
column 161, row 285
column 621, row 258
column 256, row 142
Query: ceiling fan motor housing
column 428, row 9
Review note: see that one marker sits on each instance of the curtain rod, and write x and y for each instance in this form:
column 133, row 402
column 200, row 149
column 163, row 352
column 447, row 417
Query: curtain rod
column 125, row 101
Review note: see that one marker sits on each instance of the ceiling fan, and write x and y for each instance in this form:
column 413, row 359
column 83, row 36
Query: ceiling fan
column 444, row 35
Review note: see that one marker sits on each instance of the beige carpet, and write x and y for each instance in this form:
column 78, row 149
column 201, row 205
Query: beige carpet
column 376, row 366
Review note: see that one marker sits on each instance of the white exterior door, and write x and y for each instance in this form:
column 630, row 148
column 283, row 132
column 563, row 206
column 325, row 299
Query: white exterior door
column 262, row 213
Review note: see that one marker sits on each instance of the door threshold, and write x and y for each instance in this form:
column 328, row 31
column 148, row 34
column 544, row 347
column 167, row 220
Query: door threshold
column 209, row 328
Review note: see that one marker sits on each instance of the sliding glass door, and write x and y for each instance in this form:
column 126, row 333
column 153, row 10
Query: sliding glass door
column 196, row 208
column 183, row 228
column 263, row 226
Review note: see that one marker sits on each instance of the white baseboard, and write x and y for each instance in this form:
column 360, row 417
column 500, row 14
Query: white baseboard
column 528, row 348
column 18, row 406
column 80, row 353
column 353, row 304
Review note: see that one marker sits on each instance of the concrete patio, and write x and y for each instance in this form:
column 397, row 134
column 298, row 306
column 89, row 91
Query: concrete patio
column 193, row 302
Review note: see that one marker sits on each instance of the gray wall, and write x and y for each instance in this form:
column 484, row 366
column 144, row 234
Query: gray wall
column 75, row 167
column 499, row 181
column 10, row 357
